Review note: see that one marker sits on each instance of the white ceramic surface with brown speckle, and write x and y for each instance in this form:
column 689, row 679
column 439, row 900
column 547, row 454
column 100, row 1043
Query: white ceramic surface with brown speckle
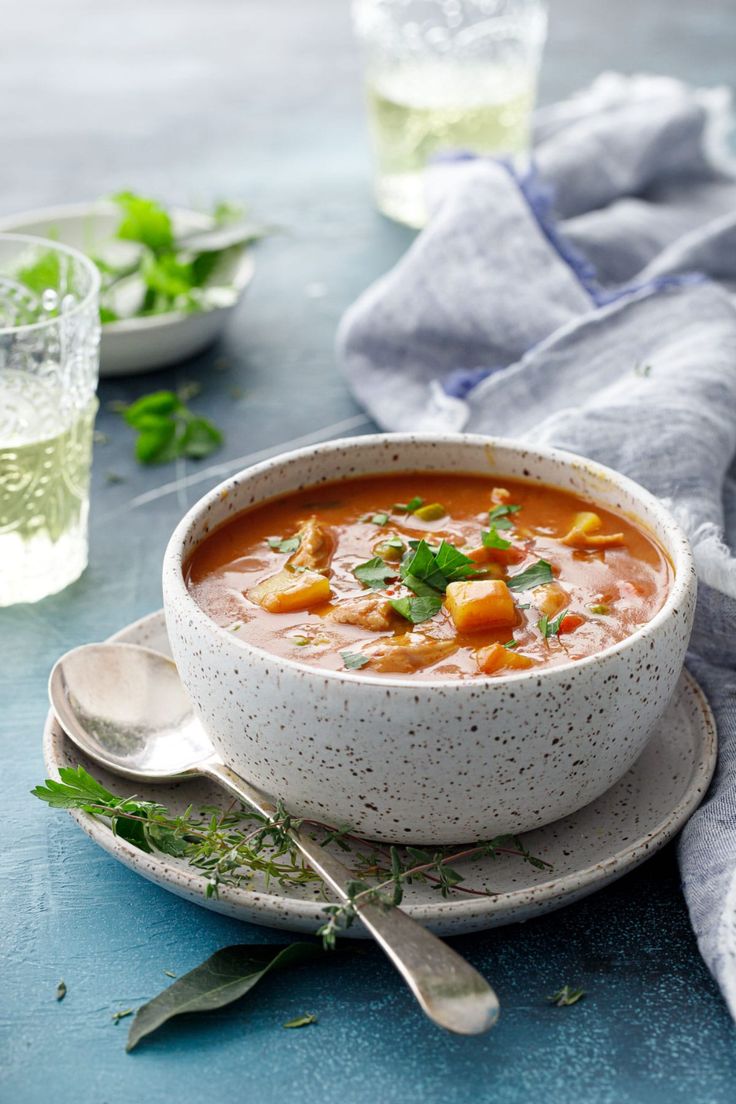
column 429, row 762
column 587, row 850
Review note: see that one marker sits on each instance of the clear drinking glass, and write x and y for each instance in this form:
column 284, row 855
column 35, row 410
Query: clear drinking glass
column 446, row 76
column 49, row 352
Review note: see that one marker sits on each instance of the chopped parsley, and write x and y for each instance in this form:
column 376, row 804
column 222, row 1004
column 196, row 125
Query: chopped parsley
column 354, row 660
column 418, row 609
column 499, row 516
column 491, row 539
column 511, row 644
column 551, row 627
column 280, row 544
column 374, row 573
column 535, row 575
column 409, row 507
column 380, row 518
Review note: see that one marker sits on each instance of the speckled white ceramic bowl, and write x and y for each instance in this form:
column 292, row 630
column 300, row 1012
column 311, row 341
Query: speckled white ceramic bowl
column 429, row 762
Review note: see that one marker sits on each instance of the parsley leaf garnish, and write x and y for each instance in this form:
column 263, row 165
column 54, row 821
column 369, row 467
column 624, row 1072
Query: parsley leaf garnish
column 379, row 519
column 566, row 996
column 354, row 660
column 491, row 539
column 549, row 627
column 167, row 429
column 534, row 575
column 422, row 564
column 410, row 506
column 511, row 644
column 452, row 563
column 374, row 573
column 280, row 544
column 499, row 516
column 419, row 609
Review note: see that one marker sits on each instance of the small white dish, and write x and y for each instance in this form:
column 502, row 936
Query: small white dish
column 136, row 345
column 587, row 850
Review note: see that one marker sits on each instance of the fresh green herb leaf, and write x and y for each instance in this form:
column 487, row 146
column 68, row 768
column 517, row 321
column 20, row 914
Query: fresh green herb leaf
column 61, row 990
column 117, row 1016
column 353, row 661
column 433, row 511
column 422, row 564
column 380, row 519
column 500, row 515
column 144, row 221
column 512, row 644
column 453, row 563
column 534, row 575
column 418, row 610
column 167, row 429
column 551, row 627
column 409, row 507
column 224, row 977
column 43, row 275
column 374, row 573
column 301, row 1021
column 523, row 605
column 566, row 996
column 420, row 588
column 281, row 544
column 107, row 314
column 491, row 539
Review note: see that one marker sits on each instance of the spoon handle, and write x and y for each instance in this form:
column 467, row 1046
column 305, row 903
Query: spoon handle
column 449, row 990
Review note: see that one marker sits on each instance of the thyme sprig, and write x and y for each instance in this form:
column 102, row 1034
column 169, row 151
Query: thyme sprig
column 231, row 846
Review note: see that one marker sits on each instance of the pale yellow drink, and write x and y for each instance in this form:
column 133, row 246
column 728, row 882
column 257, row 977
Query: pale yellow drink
column 45, row 460
column 419, row 111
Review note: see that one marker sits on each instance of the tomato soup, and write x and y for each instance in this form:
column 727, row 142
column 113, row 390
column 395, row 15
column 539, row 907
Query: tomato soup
column 430, row 576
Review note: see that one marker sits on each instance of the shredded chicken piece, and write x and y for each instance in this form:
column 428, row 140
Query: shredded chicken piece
column 369, row 612
column 408, row 652
column 316, row 547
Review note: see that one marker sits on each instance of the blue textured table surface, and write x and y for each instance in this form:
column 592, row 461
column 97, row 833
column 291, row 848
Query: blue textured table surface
column 261, row 100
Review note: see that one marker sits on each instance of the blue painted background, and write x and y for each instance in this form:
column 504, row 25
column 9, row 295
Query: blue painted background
column 260, row 100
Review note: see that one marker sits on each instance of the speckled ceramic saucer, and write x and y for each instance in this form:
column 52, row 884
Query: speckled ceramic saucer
column 587, row 850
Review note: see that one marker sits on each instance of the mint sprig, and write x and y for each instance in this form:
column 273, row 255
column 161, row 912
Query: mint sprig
column 168, row 429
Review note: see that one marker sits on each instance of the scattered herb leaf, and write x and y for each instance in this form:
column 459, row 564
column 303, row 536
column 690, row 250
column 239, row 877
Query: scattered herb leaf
column 409, row 507
column 512, row 644
column 301, row 1021
column 534, row 575
column 566, row 996
column 280, row 544
column 491, row 539
column 500, row 516
column 225, row 976
column 418, row 610
column 374, row 573
column 378, row 519
column 117, row 1016
column 353, row 661
column 61, row 990
column 550, row 626
column 168, row 429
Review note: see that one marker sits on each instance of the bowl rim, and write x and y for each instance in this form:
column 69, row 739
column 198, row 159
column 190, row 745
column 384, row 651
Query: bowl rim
column 68, row 212
column 681, row 557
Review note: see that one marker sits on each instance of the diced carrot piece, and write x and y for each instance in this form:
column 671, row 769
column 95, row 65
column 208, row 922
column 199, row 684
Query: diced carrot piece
column 495, row 555
column 291, row 590
column 480, row 604
column 497, row 658
column 584, row 532
column 500, row 495
column 570, row 622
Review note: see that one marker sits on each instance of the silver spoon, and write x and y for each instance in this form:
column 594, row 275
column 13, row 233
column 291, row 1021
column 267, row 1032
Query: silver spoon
column 125, row 707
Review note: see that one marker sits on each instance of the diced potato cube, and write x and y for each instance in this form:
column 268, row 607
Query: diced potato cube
column 478, row 604
column 550, row 599
column 291, row 590
column 584, row 532
column 497, row 658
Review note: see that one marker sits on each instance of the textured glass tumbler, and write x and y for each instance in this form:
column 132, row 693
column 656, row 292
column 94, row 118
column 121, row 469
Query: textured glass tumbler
column 446, row 77
column 49, row 353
